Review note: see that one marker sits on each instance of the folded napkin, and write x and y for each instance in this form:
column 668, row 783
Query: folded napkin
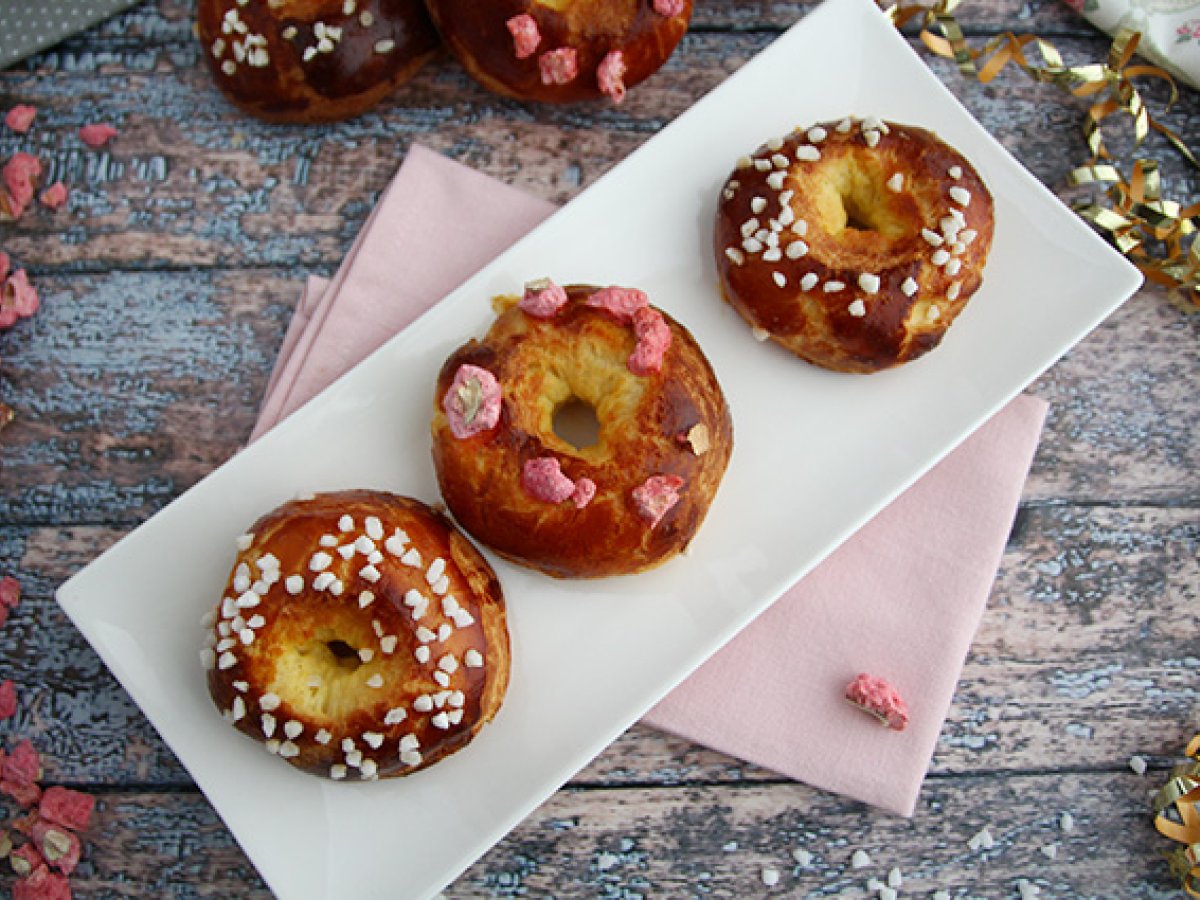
column 902, row 599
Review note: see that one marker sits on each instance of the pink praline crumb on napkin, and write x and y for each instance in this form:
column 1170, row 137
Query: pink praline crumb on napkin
column 903, row 597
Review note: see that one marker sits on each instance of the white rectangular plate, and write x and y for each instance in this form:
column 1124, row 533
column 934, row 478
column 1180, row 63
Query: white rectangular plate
column 816, row 455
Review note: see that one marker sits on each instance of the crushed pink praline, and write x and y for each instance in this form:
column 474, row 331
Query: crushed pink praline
column 19, row 175
column 67, row 807
column 559, row 66
column 97, row 134
column 525, row 33
column 8, row 699
column 621, row 303
column 668, row 8
column 655, row 496
column 610, row 75
column 876, row 696
column 585, row 491
column 23, row 295
column 543, row 299
column 653, row 341
column 66, row 862
column 54, row 196
column 41, row 884
column 18, row 299
column 487, row 414
column 22, row 764
column 543, row 479
column 20, row 118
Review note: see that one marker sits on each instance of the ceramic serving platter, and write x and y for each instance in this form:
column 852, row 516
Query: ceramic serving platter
column 816, row 455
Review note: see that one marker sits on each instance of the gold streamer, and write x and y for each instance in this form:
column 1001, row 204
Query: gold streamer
column 1177, row 816
column 1156, row 234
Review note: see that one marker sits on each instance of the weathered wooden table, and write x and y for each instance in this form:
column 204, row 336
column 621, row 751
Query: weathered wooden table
column 167, row 285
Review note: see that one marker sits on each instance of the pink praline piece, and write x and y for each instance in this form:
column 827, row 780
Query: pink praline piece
column 97, row 135
column 525, row 33
column 876, row 696
column 653, row 341
column 610, row 75
column 20, row 118
column 465, row 422
column 54, row 196
column 18, row 299
column 621, row 303
column 19, row 175
column 543, row 299
column 655, row 496
column 8, row 699
column 585, row 490
column 559, row 66
column 668, row 8
column 543, row 479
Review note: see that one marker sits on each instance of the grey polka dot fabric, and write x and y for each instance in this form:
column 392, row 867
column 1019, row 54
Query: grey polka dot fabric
column 27, row 27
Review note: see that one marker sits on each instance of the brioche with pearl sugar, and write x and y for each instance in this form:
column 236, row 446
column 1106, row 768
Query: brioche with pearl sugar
column 561, row 51
column 359, row 636
column 312, row 60
column 854, row 244
column 630, row 497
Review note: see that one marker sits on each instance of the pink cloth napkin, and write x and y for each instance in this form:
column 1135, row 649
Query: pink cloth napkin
column 902, row 599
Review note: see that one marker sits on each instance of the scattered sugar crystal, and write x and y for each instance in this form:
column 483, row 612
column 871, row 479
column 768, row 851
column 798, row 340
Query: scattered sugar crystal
column 770, row 877
column 1138, row 764
column 860, row 860
column 982, row 840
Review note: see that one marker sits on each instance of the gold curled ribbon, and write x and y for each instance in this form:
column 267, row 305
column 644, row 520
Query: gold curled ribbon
column 1177, row 816
column 1158, row 235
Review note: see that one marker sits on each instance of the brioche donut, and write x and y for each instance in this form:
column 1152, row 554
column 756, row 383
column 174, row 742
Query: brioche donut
column 627, row 502
column 560, row 51
column 854, row 244
column 360, row 635
column 312, row 60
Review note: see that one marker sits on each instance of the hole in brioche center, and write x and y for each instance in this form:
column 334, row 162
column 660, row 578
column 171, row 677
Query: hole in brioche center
column 859, row 215
column 576, row 423
column 345, row 655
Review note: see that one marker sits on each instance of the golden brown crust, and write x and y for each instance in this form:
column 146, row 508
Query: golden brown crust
column 313, row 60
column 648, row 427
column 893, row 212
column 332, row 677
column 478, row 35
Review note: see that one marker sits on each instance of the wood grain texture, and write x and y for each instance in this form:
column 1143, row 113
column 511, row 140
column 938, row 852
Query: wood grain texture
column 168, row 282
column 707, row 841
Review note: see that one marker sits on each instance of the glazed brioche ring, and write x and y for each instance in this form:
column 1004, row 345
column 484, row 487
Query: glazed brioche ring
column 360, row 636
column 854, row 244
column 312, row 60
column 627, row 502
column 561, row 51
